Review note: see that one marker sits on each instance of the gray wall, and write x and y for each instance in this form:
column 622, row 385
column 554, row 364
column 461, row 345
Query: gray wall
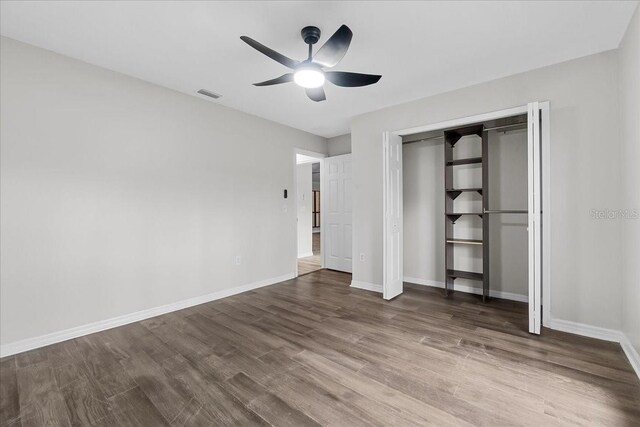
column 630, row 137
column 583, row 94
column 508, row 232
column 339, row 145
column 120, row 196
column 423, row 172
column 423, row 199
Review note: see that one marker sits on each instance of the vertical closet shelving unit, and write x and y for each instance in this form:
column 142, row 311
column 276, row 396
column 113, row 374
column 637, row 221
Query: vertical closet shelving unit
column 451, row 137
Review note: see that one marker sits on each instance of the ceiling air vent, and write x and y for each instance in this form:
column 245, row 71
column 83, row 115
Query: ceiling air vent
column 209, row 93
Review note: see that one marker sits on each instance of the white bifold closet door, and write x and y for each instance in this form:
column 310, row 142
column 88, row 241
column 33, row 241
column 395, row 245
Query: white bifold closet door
column 393, row 211
column 534, row 226
column 338, row 215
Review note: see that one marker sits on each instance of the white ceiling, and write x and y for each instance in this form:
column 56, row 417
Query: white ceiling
column 420, row 48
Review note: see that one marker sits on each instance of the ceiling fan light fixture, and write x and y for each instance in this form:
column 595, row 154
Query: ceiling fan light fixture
column 309, row 78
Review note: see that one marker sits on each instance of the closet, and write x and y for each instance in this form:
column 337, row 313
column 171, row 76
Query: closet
column 465, row 208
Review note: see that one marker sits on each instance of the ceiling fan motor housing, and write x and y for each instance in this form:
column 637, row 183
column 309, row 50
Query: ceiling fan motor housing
column 310, row 34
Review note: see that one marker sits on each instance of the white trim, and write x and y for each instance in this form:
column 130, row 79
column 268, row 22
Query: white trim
column 631, row 353
column 309, row 153
column 90, row 328
column 585, row 330
column 545, row 133
column 468, row 289
column 366, row 286
column 305, row 159
column 305, row 255
column 461, row 121
column 601, row 334
column 320, row 157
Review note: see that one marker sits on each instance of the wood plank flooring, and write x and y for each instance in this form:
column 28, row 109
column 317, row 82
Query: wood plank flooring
column 312, row 351
column 313, row 263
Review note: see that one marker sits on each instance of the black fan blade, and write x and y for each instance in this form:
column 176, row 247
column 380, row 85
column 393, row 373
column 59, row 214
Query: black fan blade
column 335, row 48
column 345, row 79
column 287, row 62
column 316, row 94
column 285, row 78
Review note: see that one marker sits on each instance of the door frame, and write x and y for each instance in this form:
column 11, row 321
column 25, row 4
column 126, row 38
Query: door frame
column 545, row 133
column 320, row 157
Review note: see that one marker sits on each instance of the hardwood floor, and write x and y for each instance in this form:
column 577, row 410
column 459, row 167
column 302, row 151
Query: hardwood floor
column 313, row 263
column 309, row 264
column 312, row 351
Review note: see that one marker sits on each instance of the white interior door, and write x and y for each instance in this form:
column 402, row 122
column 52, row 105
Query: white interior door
column 338, row 223
column 392, row 246
column 534, row 218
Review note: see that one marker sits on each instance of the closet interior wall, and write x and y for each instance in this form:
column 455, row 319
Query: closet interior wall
column 424, row 207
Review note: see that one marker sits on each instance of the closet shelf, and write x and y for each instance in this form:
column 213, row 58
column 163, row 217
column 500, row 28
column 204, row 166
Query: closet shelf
column 451, row 138
column 465, row 241
column 453, row 193
column 467, row 161
column 460, row 274
column 454, row 216
column 478, row 189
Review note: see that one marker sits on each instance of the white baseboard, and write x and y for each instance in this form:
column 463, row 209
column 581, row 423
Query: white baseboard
column 305, row 255
column 468, row 289
column 585, row 330
column 366, row 286
column 601, row 334
column 78, row 331
column 632, row 354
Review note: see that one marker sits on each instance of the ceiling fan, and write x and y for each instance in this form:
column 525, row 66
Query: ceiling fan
column 309, row 73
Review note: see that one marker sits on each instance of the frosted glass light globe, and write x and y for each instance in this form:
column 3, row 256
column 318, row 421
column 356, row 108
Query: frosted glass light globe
column 309, row 78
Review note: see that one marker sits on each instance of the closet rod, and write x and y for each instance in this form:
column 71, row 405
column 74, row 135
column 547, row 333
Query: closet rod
column 423, row 139
column 485, row 130
column 505, row 126
column 505, row 211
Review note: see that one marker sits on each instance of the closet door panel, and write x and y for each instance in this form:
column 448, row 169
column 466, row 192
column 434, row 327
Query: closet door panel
column 534, row 225
column 392, row 285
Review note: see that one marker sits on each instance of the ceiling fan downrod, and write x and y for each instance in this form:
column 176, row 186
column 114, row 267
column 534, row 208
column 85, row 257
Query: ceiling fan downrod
column 310, row 35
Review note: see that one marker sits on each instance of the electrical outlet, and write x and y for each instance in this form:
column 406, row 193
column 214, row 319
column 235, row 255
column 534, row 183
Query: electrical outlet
column 362, row 257
column 238, row 260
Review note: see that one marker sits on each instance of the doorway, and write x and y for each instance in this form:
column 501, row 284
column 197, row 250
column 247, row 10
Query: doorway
column 309, row 216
